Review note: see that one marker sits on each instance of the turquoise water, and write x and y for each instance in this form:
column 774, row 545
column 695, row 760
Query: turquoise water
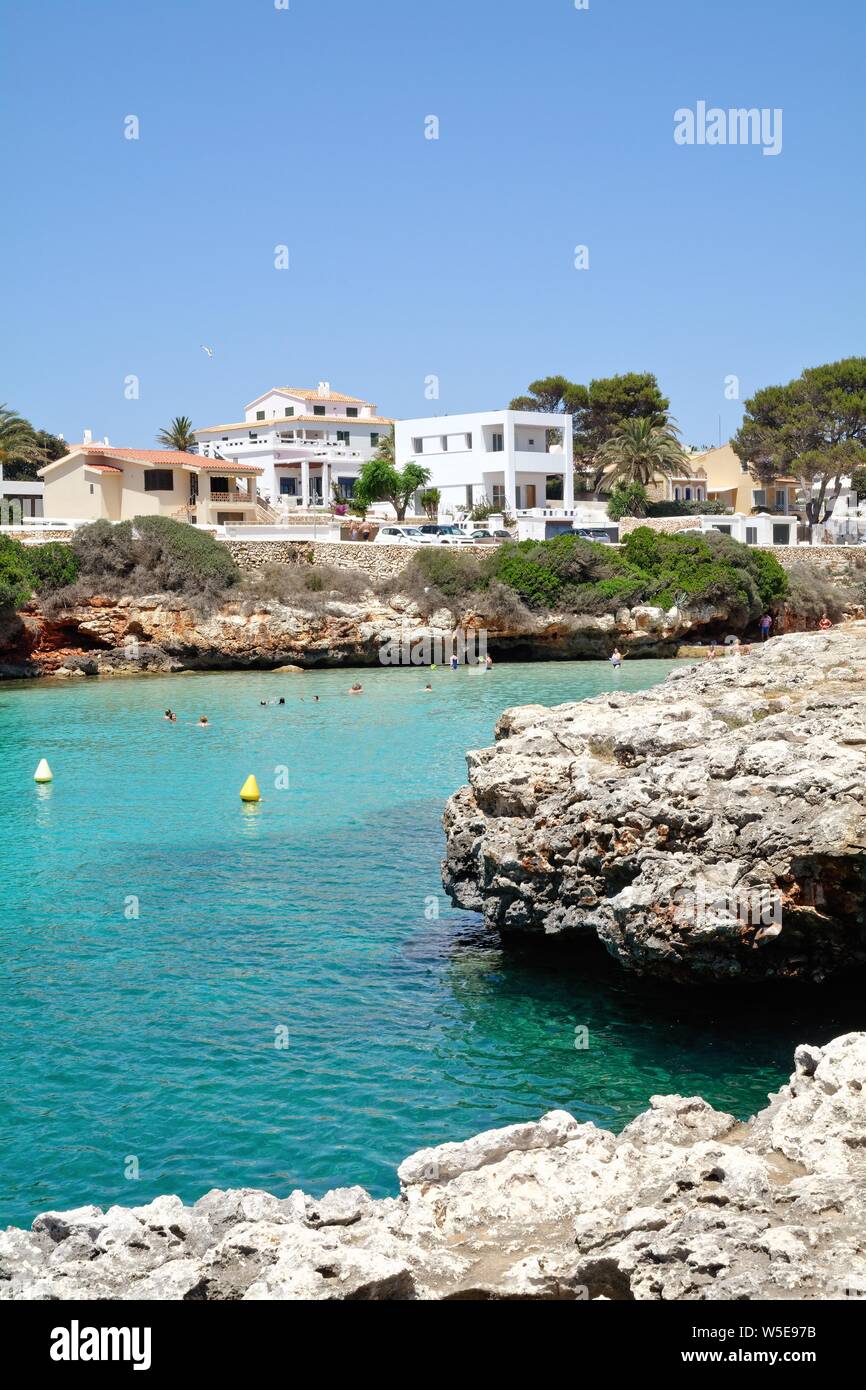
column 155, row 934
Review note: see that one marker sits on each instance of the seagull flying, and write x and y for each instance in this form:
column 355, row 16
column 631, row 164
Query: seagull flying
column 208, row 350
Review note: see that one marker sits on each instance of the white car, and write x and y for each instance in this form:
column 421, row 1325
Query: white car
column 401, row 535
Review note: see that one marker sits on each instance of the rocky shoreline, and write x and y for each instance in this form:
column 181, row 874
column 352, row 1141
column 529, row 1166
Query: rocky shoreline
column 710, row 828
column 102, row 636
column 687, row 1203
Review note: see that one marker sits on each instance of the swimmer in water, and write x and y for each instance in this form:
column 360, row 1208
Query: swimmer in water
column 357, row 689
column 616, row 658
column 204, row 722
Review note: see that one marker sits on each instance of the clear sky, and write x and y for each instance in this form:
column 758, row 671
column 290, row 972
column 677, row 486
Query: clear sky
column 412, row 257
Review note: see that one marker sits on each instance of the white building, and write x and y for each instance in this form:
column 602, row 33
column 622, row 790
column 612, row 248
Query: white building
column 304, row 441
column 501, row 457
column 761, row 529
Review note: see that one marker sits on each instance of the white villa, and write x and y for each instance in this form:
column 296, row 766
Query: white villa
column 500, row 457
column 303, row 441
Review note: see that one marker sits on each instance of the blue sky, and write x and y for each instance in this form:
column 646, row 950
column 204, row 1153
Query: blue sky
column 412, row 257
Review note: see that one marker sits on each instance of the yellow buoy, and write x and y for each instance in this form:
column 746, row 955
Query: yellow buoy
column 250, row 790
column 43, row 772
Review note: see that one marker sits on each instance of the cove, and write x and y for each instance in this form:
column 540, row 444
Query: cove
column 294, row 1002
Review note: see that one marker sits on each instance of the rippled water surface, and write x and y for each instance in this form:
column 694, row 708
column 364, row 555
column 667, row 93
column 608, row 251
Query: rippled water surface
column 151, row 1037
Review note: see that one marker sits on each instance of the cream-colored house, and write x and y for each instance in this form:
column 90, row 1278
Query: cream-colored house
column 96, row 481
column 721, row 476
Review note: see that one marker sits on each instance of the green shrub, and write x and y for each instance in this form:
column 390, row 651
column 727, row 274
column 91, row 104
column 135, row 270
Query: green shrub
column 154, row 554
column 445, row 569
column 53, row 566
column 16, row 581
column 627, row 499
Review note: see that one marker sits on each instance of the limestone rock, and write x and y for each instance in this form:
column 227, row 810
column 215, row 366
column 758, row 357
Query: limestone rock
column 711, row 828
column 686, row 1203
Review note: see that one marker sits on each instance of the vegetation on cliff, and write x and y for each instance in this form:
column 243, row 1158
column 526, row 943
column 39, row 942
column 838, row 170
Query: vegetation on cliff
column 576, row 576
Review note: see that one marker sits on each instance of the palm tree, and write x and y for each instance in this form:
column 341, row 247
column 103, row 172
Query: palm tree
column 179, row 435
column 640, row 451
column 18, row 439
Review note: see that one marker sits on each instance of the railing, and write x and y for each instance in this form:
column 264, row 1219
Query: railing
column 234, row 496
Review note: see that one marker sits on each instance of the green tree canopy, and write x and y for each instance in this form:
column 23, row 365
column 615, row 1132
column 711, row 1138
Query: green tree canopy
column 598, row 409
column 812, row 429
column 380, row 480
column 24, row 450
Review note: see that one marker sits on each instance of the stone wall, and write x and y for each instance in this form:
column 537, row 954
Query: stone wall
column 667, row 524
column 378, row 561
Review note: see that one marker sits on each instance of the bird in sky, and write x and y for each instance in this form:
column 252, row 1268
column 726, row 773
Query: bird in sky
column 208, row 350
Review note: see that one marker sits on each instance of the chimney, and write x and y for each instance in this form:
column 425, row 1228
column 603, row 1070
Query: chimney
column 105, row 440
column 88, row 437
column 324, row 388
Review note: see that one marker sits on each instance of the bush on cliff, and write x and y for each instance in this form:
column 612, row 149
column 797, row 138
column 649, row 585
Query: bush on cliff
column 40, row 569
column 303, row 586
column 52, row 566
column 154, row 554
column 16, row 581
column 577, row 576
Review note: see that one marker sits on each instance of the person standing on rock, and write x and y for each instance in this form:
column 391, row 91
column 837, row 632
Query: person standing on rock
column 765, row 625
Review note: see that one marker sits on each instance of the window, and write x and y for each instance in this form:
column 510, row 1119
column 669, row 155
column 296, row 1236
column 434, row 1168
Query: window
column 469, row 439
column 318, row 410
column 688, row 494
column 676, row 494
column 159, row 480
column 374, row 438
column 288, row 487
column 751, row 535
column 443, row 441
column 290, row 410
column 499, row 496
column 497, row 442
column 219, row 485
column 352, row 412
column 781, row 535
column 91, row 489
column 342, row 436
column 759, row 497
column 780, row 498
column 347, row 486
column 417, row 444
column 260, row 415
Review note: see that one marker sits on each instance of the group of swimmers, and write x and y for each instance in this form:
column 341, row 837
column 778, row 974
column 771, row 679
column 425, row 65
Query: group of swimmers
column 201, row 723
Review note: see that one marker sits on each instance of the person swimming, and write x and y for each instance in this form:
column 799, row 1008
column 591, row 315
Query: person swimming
column 615, row 658
column 204, row 722
column 428, row 686
column 170, row 716
column 357, row 689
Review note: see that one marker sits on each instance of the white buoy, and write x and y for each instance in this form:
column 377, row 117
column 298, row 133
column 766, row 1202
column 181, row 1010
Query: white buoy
column 43, row 772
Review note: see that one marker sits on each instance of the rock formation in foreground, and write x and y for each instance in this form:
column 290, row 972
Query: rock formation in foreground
column 712, row 828
column 686, row 1203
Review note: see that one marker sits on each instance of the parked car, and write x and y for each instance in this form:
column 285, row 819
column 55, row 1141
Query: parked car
column 589, row 533
column 444, row 535
column 401, row 535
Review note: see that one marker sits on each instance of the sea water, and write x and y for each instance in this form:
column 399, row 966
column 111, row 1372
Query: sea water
column 197, row 994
